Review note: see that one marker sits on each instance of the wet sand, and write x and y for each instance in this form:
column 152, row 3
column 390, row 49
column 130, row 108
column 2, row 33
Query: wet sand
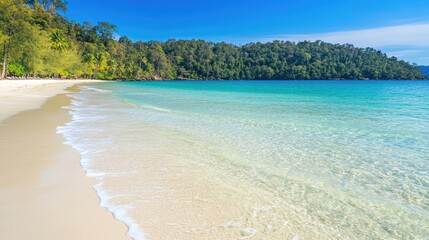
column 44, row 193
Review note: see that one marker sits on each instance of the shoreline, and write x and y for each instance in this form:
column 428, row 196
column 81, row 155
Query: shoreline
column 21, row 95
column 44, row 191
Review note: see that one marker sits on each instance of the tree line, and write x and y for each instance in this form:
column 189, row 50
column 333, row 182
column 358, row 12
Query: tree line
column 37, row 41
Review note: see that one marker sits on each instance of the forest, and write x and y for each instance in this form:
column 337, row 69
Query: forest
column 36, row 40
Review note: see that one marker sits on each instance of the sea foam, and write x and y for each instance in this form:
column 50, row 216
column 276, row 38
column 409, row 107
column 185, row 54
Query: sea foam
column 71, row 132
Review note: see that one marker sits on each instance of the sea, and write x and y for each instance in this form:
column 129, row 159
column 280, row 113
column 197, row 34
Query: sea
column 257, row 159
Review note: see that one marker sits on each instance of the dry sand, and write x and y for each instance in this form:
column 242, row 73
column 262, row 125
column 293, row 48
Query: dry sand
column 44, row 193
column 20, row 95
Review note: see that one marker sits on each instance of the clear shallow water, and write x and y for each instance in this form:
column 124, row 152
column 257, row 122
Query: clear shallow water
column 258, row 159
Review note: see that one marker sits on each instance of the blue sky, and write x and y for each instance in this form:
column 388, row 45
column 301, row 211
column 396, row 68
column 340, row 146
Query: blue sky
column 397, row 27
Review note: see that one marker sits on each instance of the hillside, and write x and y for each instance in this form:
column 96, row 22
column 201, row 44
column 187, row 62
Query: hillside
column 424, row 70
column 36, row 40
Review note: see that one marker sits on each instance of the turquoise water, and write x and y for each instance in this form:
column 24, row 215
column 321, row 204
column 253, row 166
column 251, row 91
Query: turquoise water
column 273, row 159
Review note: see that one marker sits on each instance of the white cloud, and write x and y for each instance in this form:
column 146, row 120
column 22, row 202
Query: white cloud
column 413, row 35
column 409, row 42
column 402, row 53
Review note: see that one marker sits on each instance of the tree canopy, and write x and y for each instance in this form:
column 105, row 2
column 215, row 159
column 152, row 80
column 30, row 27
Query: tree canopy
column 36, row 40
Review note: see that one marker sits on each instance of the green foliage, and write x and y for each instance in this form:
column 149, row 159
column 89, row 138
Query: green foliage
column 59, row 41
column 15, row 31
column 46, row 62
column 51, row 6
column 38, row 41
column 106, row 30
column 16, row 69
column 283, row 60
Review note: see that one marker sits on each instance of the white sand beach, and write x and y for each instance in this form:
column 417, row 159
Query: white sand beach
column 44, row 193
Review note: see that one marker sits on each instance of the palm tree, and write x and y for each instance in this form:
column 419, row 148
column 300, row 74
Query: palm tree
column 122, row 70
column 99, row 59
column 59, row 41
column 111, row 66
column 89, row 59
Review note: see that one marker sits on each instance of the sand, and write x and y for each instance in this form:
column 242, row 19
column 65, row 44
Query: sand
column 20, row 95
column 44, row 193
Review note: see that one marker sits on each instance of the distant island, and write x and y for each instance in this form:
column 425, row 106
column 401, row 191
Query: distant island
column 424, row 70
column 37, row 41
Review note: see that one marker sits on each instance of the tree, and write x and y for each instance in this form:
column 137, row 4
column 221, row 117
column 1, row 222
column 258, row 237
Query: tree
column 15, row 30
column 16, row 69
column 59, row 41
column 125, row 40
column 52, row 6
column 46, row 61
column 90, row 33
column 106, row 31
column 90, row 62
column 100, row 61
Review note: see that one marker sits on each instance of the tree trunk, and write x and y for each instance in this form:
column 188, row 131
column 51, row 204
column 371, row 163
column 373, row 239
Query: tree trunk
column 3, row 71
column 4, row 65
